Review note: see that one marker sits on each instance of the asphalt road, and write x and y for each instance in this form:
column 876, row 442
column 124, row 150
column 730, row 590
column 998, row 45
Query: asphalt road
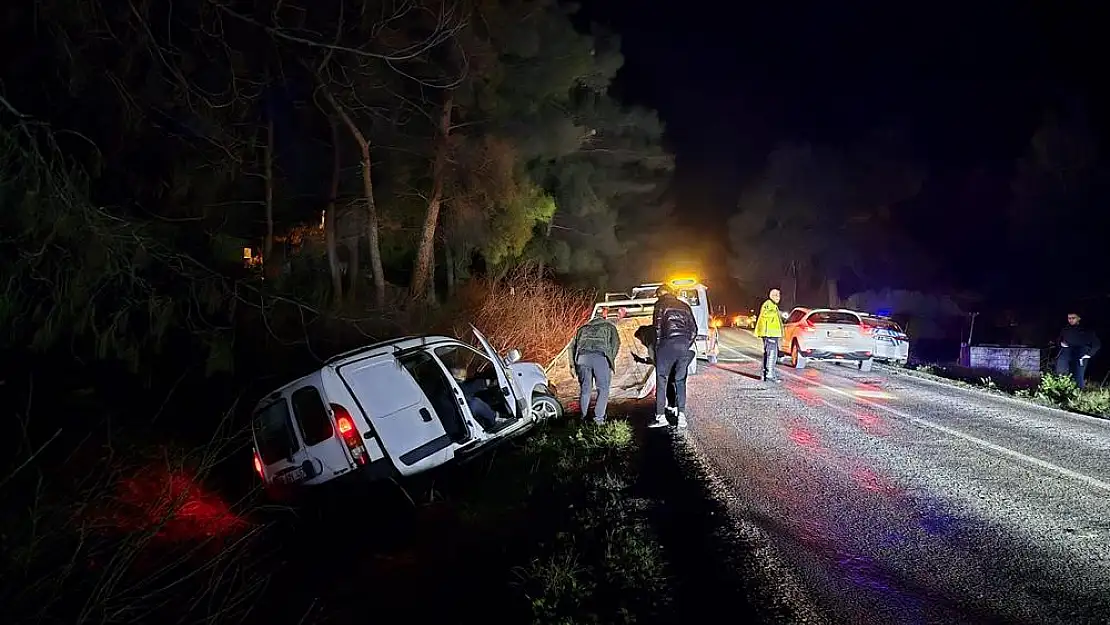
column 901, row 500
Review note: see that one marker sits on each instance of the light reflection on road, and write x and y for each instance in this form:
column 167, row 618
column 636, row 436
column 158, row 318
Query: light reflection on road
column 829, row 531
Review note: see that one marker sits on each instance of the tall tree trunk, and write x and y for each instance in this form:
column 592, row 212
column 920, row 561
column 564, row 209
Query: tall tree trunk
column 422, row 268
column 329, row 218
column 353, row 268
column 431, row 293
column 371, row 207
column 268, row 243
column 449, row 267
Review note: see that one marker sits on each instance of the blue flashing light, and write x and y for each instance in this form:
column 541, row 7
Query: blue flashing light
column 882, row 312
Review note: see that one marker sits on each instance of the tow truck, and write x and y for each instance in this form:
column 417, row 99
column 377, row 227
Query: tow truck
column 641, row 303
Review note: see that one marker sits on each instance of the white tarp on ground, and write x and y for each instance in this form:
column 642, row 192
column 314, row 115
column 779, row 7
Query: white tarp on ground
column 631, row 380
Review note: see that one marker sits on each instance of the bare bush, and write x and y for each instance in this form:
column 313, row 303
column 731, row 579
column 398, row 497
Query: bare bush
column 526, row 311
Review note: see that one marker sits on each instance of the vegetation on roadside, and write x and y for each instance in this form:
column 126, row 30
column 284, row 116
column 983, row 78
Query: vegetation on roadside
column 602, row 564
column 111, row 527
column 1061, row 391
column 150, row 540
column 1048, row 389
column 126, row 528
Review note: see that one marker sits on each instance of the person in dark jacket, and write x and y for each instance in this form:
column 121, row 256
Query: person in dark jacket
column 675, row 330
column 645, row 334
column 1077, row 346
column 593, row 359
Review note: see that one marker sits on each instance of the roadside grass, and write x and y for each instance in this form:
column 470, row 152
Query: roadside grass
column 111, row 529
column 1048, row 389
column 598, row 560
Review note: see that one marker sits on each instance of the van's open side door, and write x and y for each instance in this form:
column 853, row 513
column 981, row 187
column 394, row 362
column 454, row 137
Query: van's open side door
column 520, row 405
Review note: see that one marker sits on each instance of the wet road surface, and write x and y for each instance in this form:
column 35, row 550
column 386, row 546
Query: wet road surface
column 902, row 500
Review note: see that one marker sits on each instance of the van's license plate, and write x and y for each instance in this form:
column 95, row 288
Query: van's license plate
column 291, row 477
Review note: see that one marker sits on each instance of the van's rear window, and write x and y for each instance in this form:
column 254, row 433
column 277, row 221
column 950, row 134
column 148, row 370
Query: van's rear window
column 837, row 318
column 309, row 409
column 273, row 432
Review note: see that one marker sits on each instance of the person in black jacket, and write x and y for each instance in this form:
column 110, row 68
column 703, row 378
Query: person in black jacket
column 1077, row 346
column 645, row 334
column 675, row 330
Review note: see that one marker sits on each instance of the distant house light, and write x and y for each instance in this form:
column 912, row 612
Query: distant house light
column 247, row 253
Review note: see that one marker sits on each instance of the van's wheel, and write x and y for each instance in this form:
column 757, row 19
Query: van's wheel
column 865, row 365
column 545, row 407
column 797, row 360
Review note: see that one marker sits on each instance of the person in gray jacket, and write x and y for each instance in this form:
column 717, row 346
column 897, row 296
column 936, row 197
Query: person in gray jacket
column 593, row 357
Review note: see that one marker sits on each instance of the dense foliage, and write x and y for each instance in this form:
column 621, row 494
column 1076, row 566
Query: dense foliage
column 367, row 153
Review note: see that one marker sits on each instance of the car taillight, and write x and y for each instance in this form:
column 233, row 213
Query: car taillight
column 258, row 465
column 347, row 431
column 866, row 331
column 808, row 325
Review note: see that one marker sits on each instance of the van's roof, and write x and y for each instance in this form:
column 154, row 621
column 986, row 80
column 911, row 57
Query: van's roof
column 367, row 351
column 386, row 347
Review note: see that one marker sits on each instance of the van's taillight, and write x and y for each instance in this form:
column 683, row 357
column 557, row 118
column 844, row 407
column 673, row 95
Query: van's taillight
column 347, row 431
column 258, row 466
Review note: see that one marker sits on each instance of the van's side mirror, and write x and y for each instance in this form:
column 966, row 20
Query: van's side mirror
column 512, row 356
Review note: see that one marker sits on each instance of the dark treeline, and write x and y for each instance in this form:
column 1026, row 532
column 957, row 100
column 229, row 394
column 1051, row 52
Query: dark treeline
column 169, row 166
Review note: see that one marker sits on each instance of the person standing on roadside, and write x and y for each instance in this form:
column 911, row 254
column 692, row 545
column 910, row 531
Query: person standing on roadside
column 593, row 357
column 1077, row 346
column 768, row 327
column 675, row 330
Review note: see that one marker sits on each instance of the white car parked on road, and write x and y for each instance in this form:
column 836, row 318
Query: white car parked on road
column 395, row 408
column 892, row 345
column 823, row 334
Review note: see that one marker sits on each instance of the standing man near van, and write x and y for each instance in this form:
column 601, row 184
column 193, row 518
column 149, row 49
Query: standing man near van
column 593, row 358
column 675, row 330
column 768, row 327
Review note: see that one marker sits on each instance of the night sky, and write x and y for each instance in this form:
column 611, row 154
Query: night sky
column 970, row 86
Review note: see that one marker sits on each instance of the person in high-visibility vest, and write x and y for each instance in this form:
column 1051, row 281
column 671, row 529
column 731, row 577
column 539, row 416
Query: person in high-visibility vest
column 769, row 328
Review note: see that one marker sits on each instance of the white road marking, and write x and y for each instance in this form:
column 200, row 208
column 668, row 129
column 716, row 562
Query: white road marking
column 1044, row 464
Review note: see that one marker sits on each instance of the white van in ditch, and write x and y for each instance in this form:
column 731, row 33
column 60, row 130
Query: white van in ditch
column 396, row 408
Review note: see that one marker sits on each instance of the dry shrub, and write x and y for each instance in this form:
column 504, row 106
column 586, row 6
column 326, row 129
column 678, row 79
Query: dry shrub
column 525, row 310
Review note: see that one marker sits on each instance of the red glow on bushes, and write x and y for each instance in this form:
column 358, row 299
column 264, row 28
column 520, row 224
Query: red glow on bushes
column 173, row 505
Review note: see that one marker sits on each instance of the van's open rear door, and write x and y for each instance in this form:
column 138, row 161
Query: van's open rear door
column 401, row 414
